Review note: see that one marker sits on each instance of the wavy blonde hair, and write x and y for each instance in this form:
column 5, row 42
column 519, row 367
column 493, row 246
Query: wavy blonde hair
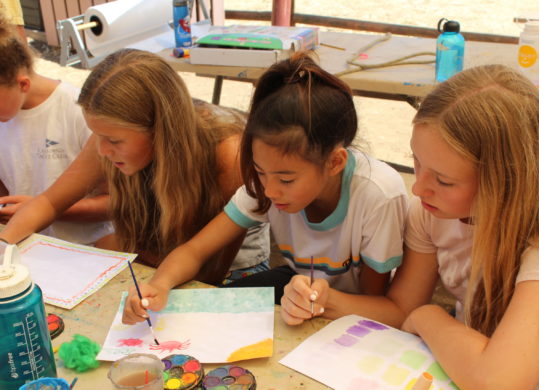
column 490, row 115
column 167, row 202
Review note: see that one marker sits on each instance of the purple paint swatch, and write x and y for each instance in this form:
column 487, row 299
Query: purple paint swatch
column 346, row 340
column 358, row 331
column 372, row 325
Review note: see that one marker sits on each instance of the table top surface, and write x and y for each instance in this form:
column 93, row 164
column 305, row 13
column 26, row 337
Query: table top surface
column 93, row 317
column 410, row 80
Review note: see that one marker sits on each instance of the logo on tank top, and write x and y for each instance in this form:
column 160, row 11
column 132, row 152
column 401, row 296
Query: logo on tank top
column 51, row 151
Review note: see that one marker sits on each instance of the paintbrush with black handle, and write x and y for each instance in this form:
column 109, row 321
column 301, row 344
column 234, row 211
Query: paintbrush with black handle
column 140, row 296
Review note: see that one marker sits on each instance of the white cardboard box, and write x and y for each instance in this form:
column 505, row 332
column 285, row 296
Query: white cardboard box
column 291, row 38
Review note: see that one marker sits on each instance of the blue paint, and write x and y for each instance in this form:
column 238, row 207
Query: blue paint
column 218, row 300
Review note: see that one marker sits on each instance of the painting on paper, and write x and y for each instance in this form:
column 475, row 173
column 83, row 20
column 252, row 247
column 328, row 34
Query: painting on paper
column 215, row 325
column 354, row 352
column 82, row 269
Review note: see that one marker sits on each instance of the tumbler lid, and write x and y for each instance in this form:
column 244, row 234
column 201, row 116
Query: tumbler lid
column 448, row 26
column 14, row 276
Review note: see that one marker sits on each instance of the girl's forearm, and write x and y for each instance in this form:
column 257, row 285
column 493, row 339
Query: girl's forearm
column 180, row 266
column 94, row 209
column 455, row 346
column 378, row 308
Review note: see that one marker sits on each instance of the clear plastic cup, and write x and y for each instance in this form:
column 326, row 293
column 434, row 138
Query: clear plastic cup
column 138, row 371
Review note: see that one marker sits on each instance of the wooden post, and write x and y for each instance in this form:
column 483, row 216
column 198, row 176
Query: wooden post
column 282, row 13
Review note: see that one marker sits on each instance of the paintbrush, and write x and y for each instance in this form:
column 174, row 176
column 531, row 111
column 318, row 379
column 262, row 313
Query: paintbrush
column 311, row 284
column 140, row 297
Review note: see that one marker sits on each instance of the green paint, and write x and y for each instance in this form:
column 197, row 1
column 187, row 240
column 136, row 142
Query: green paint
column 218, row 300
column 395, row 375
column 454, row 386
column 256, row 41
column 437, row 372
column 413, row 359
column 370, row 364
column 221, row 300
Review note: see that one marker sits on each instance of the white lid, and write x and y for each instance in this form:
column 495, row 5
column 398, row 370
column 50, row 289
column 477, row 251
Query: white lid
column 531, row 26
column 14, row 277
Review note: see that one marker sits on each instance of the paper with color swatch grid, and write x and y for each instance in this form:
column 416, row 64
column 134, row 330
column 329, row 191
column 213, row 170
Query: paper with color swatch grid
column 68, row 273
column 354, row 353
column 214, row 325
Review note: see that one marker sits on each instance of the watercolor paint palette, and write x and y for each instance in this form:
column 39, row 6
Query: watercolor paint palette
column 182, row 372
column 354, row 353
column 229, row 378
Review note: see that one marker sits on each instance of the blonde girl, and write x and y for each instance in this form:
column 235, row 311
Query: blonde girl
column 323, row 199
column 42, row 131
column 474, row 224
column 170, row 168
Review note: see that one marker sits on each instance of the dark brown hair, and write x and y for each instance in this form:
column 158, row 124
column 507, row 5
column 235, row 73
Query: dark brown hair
column 14, row 53
column 298, row 108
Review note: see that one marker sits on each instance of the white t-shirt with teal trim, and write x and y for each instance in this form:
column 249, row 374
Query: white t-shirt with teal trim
column 366, row 227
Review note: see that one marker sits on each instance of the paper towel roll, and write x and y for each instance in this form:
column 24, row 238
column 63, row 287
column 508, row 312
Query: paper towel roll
column 141, row 24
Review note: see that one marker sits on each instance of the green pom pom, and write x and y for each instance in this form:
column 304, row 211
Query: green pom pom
column 79, row 354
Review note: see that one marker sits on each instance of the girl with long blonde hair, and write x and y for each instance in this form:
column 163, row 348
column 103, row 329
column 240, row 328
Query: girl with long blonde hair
column 473, row 224
column 170, row 166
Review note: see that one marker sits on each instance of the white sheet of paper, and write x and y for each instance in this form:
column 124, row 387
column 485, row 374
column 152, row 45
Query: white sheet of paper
column 68, row 273
column 215, row 325
column 354, row 353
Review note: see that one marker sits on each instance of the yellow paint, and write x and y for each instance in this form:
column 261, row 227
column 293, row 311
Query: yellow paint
column 55, row 349
column 370, row 364
column 261, row 349
column 161, row 324
column 173, row 384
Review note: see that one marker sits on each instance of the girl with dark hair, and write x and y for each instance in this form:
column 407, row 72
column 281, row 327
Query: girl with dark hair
column 323, row 199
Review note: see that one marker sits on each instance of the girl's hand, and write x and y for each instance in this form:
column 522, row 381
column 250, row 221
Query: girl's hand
column 153, row 298
column 297, row 298
column 11, row 205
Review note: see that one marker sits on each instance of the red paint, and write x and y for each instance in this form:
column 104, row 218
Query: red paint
column 170, row 346
column 129, row 342
column 192, row 365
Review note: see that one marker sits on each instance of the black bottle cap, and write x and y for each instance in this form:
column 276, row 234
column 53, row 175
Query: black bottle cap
column 449, row 25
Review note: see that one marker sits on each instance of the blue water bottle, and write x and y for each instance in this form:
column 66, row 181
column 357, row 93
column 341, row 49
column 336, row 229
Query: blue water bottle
column 182, row 23
column 449, row 50
column 25, row 344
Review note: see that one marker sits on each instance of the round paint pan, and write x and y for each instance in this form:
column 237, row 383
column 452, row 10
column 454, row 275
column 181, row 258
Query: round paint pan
column 182, row 372
column 55, row 325
column 229, row 378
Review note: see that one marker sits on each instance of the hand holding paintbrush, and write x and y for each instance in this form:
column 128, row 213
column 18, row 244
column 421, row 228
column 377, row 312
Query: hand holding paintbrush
column 140, row 297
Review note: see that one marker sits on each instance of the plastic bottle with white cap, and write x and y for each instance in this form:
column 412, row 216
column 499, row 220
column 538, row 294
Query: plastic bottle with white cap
column 25, row 345
column 528, row 51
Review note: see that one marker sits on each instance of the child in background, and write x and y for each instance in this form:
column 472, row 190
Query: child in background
column 170, row 167
column 475, row 225
column 13, row 10
column 322, row 198
column 42, row 131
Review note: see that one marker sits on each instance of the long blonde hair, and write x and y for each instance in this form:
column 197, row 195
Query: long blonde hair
column 490, row 115
column 167, row 202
